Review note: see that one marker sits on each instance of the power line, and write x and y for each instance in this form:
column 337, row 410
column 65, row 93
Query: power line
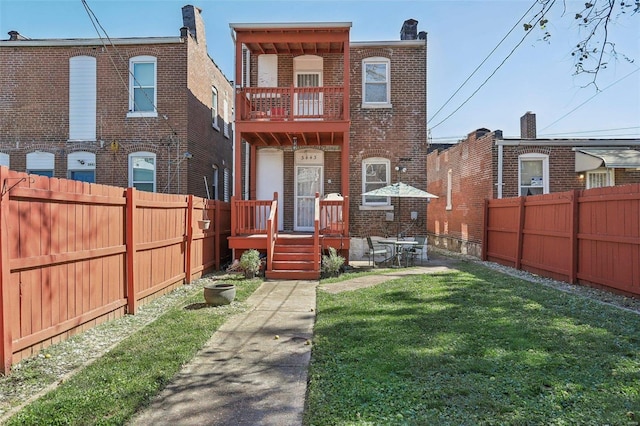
column 591, row 131
column 482, row 63
column 596, row 94
column 541, row 16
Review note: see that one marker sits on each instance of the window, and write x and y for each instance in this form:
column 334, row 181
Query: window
column 600, row 178
column 268, row 70
column 376, row 92
column 375, row 174
column 142, row 171
column 81, row 166
column 449, row 189
column 214, row 108
column 82, row 98
column 142, row 86
column 533, row 174
column 40, row 163
column 214, row 183
column 227, row 195
column 225, row 111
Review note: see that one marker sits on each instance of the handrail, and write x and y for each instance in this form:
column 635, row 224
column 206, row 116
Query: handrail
column 272, row 231
column 316, row 235
column 250, row 217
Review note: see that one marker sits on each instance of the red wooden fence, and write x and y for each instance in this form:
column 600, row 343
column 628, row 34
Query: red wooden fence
column 74, row 254
column 589, row 236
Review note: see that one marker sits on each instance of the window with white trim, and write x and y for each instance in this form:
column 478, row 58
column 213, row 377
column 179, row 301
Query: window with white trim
column 143, row 86
column 225, row 111
column 214, row 183
column 449, row 189
column 40, row 163
column 4, row 159
column 376, row 174
column 142, row 171
column 533, row 174
column 82, row 98
column 376, row 83
column 81, row 165
column 227, row 193
column 214, row 107
column 600, row 178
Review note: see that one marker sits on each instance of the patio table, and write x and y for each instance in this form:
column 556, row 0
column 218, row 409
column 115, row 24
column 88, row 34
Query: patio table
column 396, row 252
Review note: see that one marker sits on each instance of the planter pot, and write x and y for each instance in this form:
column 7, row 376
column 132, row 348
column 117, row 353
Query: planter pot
column 204, row 224
column 219, row 294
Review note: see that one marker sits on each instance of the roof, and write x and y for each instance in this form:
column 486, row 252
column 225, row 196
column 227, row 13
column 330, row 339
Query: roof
column 89, row 41
column 591, row 159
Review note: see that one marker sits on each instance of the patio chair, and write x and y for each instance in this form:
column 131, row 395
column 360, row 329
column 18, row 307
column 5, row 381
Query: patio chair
column 374, row 250
column 415, row 252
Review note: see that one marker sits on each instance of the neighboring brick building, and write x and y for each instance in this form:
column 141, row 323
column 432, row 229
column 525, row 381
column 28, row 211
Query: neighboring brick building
column 125, row 112
column 485, row 166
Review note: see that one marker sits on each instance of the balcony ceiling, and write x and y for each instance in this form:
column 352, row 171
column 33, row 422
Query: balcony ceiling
column 295, row 41
column 283, row 139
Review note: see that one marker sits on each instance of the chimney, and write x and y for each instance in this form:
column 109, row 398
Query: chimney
column 409, row 30
column 15, row 36
column 192, row 19
column 528, row 126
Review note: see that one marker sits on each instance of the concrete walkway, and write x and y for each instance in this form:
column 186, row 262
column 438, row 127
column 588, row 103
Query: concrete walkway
column 253, row 370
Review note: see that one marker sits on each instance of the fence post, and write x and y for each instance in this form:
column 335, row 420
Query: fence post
column 217, row 223
column 132, row 300
column 485, row 241
column 6, row 349
column 521, row 214
column 189, row 242
column 234, row 214
column 573, row 243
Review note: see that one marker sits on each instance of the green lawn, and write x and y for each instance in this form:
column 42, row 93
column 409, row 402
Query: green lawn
column 472, row 347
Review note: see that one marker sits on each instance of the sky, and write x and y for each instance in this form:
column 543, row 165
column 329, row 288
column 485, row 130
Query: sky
column 524, row 72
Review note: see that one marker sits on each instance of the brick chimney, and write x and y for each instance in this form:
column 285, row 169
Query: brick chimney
column 409, row 30
column 192, row 19
column 528, row 126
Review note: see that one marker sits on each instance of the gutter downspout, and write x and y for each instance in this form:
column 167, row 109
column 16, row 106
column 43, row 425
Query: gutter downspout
column 500, row 155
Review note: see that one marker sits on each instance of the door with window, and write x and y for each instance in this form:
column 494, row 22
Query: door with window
column 308, row 180
column 309, row 103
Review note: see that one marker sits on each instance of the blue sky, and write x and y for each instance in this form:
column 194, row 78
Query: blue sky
column 537, row 77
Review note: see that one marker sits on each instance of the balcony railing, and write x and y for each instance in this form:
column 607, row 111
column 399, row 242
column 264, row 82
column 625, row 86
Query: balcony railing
column 290, row 103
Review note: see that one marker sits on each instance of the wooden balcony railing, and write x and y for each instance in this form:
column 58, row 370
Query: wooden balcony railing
column 250, row 216
column 290, row 103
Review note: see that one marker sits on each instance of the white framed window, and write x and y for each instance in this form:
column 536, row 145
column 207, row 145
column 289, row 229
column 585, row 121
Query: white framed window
column 82, row 98
column 600, row 178
column 449, row 189
column 142, row 86
column 142, row 171
column 214, row 108
column 225, row 112
column 214, row 183
column 40, row 163
column 268, row 70
column 376, row 83
column 533, row 174
column 81, row 165
column 4, row 159
column 227, row 192
column 376, row 174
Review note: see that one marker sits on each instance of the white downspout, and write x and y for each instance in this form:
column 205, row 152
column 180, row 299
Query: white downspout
column 500, row 171
column 246, row 83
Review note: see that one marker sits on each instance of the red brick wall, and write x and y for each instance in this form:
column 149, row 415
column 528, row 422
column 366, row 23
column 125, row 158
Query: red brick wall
column 460, row 228
column 397, row 134
column 34, row 112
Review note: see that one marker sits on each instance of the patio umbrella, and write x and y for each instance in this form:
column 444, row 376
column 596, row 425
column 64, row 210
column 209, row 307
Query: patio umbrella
column 400, row 190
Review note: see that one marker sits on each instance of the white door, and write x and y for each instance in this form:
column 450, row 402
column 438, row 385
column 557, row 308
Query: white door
column 270, row 178
column 308, row 180
column 310, row 103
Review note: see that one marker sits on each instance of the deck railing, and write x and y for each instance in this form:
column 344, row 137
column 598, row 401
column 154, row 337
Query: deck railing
column 272, row 231
column 250, row 216
column 290, row 103
column 333, row 217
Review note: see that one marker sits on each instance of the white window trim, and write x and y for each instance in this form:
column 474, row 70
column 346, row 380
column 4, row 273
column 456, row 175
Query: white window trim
column 225, row 111
column 143, row 154
column 41, row 162
column 216, row 182
column 5, row 160
column 376, row 60
column 214, row 108
column 611, row 181
column 545, row 169
column 369, row 205
column 226, row 176
column 449, row 189
column 143, row 59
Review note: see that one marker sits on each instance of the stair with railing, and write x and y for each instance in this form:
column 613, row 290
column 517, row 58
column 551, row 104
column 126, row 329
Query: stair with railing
column 293, row 259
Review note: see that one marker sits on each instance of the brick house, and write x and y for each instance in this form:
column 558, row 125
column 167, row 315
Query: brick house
column 485, row 166
column 318, row 113
column 152, row 113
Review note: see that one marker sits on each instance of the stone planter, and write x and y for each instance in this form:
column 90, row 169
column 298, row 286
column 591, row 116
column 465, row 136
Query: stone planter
column 219, row 293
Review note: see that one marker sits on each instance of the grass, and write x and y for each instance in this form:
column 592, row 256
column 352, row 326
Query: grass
column 113, row 388
column 473, row 347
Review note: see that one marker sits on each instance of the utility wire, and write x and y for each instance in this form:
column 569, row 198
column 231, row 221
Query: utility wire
column 596, row 94
column 591, row 131
column 482, row 63
column 541, row 16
